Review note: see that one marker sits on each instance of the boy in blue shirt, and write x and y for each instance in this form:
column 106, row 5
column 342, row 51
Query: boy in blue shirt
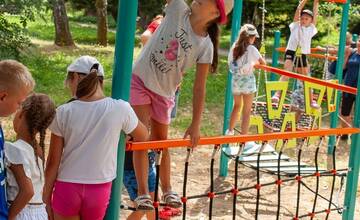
column 16, row 83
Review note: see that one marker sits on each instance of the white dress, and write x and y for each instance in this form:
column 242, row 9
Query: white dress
column 20, row 152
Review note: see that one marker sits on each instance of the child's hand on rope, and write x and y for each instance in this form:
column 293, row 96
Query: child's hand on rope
column 194, row 132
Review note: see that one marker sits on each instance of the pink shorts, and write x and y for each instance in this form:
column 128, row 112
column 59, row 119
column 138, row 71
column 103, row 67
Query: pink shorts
column 89, row 201
column 161, row 106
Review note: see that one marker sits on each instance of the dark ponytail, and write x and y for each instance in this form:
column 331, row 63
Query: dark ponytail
column 214, row 33
column 88, row 85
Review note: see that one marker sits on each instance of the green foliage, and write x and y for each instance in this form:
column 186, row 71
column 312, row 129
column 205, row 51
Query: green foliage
column 13, row 38
column 354, row 23
column 13, row 34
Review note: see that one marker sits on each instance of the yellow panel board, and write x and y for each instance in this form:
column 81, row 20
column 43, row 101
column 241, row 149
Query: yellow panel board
column 331, row 96
column 257, row 120
column 298, row 52
column 288, row 118
column 275, row 112
column 308, row 87
column 316, row 125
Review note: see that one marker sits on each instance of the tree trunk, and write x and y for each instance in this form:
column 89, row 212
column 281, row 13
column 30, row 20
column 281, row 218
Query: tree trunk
column 62, row 31
column 102, row 25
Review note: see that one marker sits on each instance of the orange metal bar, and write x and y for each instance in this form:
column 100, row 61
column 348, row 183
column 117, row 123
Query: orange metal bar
column 239, row 139
column 336, row 1
column 313, row 54
column 341, row 87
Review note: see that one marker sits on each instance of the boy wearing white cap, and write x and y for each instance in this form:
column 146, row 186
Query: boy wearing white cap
column 302, row 29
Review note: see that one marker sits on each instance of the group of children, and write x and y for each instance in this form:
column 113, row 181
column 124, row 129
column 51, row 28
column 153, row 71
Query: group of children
column 76, row 181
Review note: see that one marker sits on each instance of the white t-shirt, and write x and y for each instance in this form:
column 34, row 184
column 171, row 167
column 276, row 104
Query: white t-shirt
column 244, row 65
column 91, row 132
column 305, row 34
column 172, row 50
column 22, row 153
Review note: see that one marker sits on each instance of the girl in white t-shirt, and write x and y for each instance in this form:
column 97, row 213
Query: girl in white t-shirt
column 302, row 30
column 24, row 159
column 187, row 37
column 242, row 58
column 83, row 151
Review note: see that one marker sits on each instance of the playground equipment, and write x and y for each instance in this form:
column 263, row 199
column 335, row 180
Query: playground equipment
column 121, row 83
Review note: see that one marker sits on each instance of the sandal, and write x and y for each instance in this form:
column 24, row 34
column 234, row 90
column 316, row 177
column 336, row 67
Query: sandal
column 144, row 203
column 172, row 199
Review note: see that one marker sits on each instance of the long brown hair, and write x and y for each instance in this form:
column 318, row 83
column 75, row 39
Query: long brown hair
column 241, row 45
column 39, row 111
column 214, row 33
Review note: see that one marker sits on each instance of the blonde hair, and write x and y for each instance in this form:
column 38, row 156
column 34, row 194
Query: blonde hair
column 15, row 75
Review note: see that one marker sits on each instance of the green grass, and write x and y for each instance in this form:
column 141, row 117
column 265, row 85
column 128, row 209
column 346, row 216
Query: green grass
column 83, row 33
column 49, row 68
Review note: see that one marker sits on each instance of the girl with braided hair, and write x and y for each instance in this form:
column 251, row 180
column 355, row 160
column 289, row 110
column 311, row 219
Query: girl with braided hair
column 25, row 159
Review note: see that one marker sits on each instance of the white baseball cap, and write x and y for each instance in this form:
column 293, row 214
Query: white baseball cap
column 85, row 64
column 250, row 30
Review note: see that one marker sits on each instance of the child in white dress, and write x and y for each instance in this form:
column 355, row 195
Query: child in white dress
column 24, row 159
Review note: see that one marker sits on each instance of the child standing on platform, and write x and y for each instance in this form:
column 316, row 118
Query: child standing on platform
column 16, row 83
column 24, row 159
column 242, row 57
column 82, row 159
column 187, row 36
column 303, row 29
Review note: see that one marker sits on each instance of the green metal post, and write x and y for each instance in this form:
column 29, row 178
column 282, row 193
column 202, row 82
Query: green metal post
column 354, row 164
column 124, row 48
column 339, row 70
column 355, row 37
column 235, row 27
column 275, row 53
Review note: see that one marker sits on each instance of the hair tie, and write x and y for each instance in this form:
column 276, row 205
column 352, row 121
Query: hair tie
column 221, row 6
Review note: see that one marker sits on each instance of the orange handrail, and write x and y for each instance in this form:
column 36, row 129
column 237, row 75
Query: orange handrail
column 313, row 54
column 341, row 87
column 337, row 1
column 238, row 139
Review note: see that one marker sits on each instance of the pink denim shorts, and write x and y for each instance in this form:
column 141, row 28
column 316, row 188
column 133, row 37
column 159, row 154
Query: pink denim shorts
column 161, row 106
column 89, row 201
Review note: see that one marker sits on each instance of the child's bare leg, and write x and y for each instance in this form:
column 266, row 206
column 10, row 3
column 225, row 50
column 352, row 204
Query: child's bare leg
column 159, row 132
column 140, row 158
column 246, row 112
column 235, row 112
column 141, row 167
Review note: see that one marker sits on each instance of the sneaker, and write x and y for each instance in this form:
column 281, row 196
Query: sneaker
column 229, row 133
column 275, row 98
column 314, row 104
column 251, row 147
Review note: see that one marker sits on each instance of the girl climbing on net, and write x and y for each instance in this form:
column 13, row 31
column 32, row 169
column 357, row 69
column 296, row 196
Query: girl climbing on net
column 82, row 158
column 242, row 57
column 187, row 36
column 303, row 29
column 25, row 159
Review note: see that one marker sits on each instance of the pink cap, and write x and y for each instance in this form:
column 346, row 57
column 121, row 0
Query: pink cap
column 221, row 6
